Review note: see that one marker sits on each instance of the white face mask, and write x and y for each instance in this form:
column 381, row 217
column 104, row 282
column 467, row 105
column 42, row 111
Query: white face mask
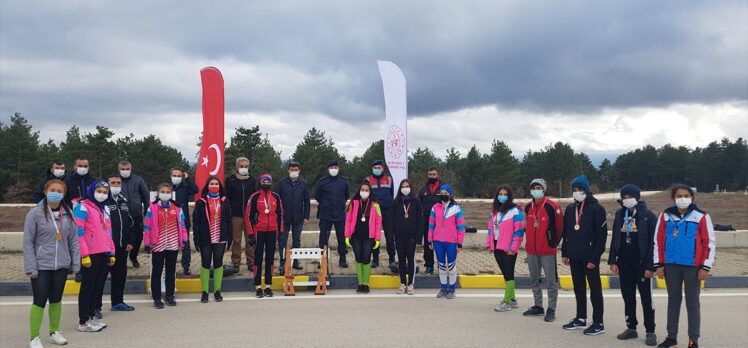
column 364, row 194
column 629, row 202
column 125, row 173
column 81, row 171
column 243, row 171
column 58, row 172
column 333, row 172
column 579, row 196
column 164, row 196
column 293, row 175
column 405, row 190
column 100, row 197
column 683, row 203
column 176, row 180
column 116, row 190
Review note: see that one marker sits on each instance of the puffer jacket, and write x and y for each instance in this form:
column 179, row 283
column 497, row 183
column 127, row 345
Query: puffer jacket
column 94, row 229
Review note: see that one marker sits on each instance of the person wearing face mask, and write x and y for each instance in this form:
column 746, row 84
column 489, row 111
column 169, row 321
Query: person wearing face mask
column 383, row 187
column 684, row 248
column 331, row 194
column 429, row 195
column 184, row 190
column 631, row 258
column 97, row 251
column 50, row 248
column 445, row 235
column 506, row 230
column 543, row 232
column 123, row 228
column 56, row 171
column 77, row 182
column 212, row 221
column 137, row 194
column 407, row 217
column 264, row 222
column 363, row 229
column 164, row 234
column 294, row 193
column 584, row 236
column 239, row 186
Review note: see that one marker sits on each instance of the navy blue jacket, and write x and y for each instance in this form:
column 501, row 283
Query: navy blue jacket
column 182, row 194
column 40, row 194
column 332, row 193
column 646, row 221
column 587, row 244
column 77, row 186
column 295, row 198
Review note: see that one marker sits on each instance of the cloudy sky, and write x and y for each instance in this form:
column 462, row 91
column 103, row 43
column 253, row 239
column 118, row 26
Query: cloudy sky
column 605, row 77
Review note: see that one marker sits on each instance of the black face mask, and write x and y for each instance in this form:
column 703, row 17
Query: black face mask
column 444, row 198
column 265, row 187
column 432, row 180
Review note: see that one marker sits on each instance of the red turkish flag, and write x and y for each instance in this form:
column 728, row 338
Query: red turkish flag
column 210, row 160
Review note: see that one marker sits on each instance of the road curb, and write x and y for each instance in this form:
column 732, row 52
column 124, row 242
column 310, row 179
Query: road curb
column 239, row 284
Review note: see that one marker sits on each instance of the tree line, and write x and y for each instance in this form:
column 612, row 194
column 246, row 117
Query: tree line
column 473, row 174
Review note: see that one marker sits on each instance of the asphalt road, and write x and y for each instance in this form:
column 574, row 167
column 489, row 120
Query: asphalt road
column 344, row 319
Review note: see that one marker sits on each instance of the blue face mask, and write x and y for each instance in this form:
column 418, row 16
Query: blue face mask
column 502, row 198
column 537, row 194
column 377, row 172
column 54, row 197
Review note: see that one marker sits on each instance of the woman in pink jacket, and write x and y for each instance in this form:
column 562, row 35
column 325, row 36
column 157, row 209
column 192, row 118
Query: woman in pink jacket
column 96, row 251
column 506, row 229
column 163, row 237
column 363, row 230
column 446, row 233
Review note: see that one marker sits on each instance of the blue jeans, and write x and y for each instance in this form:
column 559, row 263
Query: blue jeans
column 446, row 257
column 283, row 238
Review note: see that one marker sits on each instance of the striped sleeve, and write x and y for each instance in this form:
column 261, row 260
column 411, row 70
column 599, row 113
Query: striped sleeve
column 659, row 242
column 519, row 231
column 432, row 224
column 460, row 221
column 706, row 233
column 80, row 215
column 147, row 226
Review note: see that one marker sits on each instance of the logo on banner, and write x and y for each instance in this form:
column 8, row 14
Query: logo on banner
column 396, row 142
column 206, row 160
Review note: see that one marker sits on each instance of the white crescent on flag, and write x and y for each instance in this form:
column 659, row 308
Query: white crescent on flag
column 206, row 161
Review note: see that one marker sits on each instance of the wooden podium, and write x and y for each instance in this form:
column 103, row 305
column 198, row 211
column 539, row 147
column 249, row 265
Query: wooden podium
column 306, row 254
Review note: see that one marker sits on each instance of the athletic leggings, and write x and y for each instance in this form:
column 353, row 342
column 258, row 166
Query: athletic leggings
column 91, row 278
column 406, row 252
column 160, row 259
column 362, row 249
column 214, row 253
column 446, row 257
column 580, row 273
column 506, row 263
column 265, row 242
column 49, row 285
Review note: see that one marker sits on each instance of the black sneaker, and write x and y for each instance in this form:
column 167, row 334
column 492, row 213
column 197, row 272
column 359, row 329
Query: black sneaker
column 135, row 263
column 651, row 339
column 375, row 263
column 668, row 342
column 158, row 304
column 628, row 334
column 394, row 268
column 187, row 272
column 170, row 301
column 693, row 344
column 268, row 292
column 595, row 329
column 296, row 265
column 343, row 263
column 97, row 313
column 534, row 311
column 550, row 315
column 217, row 296
column 429, row 270
column 575, row 324
column 204, row 297
column 366, row 289
column 259, row 293
column 360, row 289
column 78, row 277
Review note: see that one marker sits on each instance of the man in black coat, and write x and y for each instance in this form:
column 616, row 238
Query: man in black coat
column 294, row 193
column 78, row 182
column 429, row 195
column 332, row 193
column 138, row 197
column 57, row 171
column 239, row 186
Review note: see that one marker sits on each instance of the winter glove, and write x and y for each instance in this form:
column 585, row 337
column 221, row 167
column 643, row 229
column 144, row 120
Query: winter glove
column 86, row 262
column 348, row 242
column 112, row 260
column 376, row 245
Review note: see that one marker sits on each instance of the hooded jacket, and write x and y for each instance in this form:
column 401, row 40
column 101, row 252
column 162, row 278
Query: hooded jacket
column 588, row 243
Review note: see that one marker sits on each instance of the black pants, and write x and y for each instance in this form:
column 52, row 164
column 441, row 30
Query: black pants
column 166, row 258
column 186, row 252
column 389, row 235
column 295, row 230
column 580, row 273
column 631, row 276
column 362, row 249
column 325, row 227
column 119, row 275
column 212, row 253
column 265, row 244
column 406, row 254
column 428, row 254
column 137, row 236
column 91, row 279
column 49, row 285
column 506, row 263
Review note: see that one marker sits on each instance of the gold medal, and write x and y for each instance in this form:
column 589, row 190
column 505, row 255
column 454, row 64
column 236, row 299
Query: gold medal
column 58, row 236
column 536, row 224
column 267, row 211
column 675, row 233
column 576, row 227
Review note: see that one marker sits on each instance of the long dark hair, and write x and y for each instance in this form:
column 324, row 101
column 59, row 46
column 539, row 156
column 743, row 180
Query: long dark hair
column 204, row 192
column 400, row 195
column 357, row 195
column 63, row 206
column 503, row 207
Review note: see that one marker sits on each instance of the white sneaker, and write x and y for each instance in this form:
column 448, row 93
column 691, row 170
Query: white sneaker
column 100, row 324
column 57, row 338
column 88, row 327
column 410, row 290
column 401, row 289
column 503, row 307
column 36, row 343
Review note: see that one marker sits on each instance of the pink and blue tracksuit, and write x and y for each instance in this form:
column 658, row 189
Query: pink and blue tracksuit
column 446, row 232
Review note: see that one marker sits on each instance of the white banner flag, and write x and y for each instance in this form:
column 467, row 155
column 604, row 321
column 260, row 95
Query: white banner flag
column 395, row 129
